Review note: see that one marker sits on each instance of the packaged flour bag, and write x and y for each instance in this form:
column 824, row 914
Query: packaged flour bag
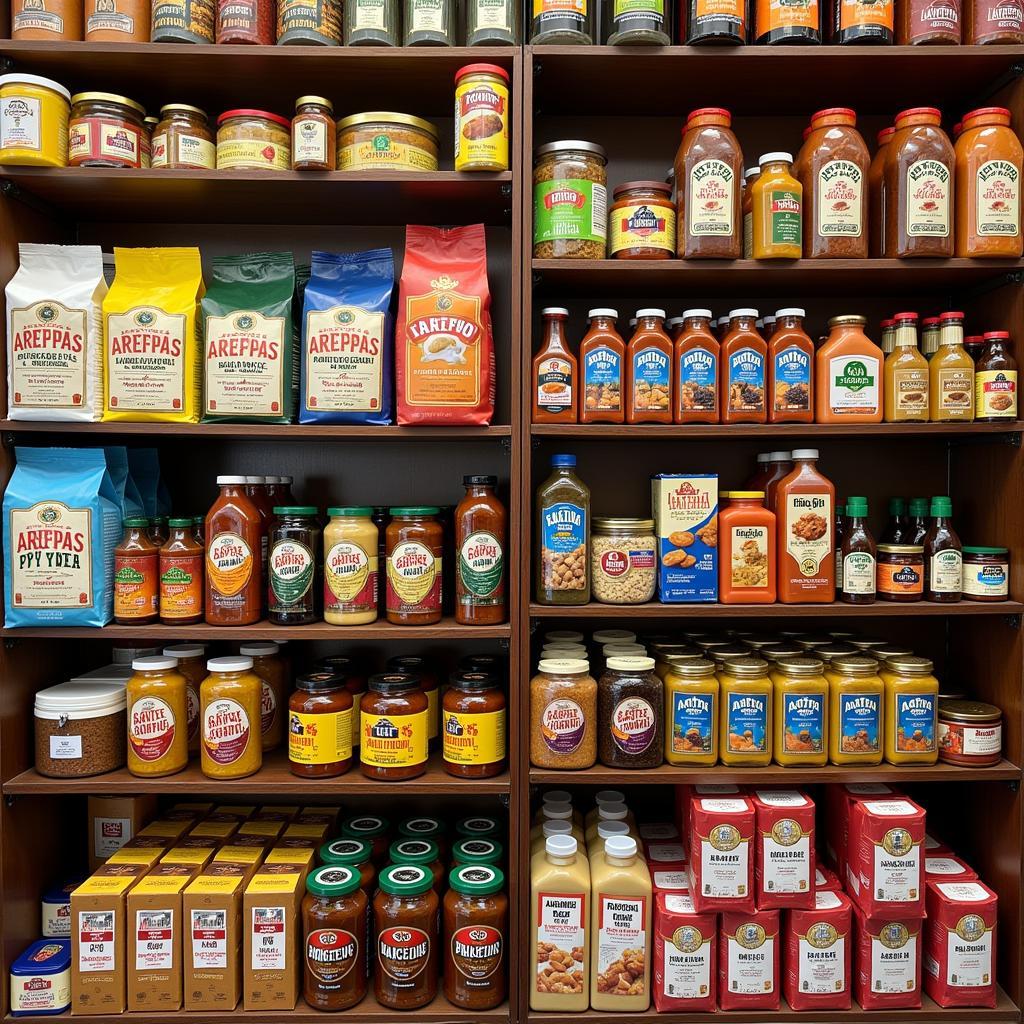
column 61, row 525
column 144, row 467
column 125, row 489
column 54, row 350
column 151, row 358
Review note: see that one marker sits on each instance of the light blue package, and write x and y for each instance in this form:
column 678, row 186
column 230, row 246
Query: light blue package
column 128, row 497
column 144, row 467
column 62, row 521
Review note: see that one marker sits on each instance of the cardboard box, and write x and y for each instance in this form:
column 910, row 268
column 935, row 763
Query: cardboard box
column 272, row 941
column 721, row 861
column 312, row 830
column 748, row 961
column 816, row 954
column 219, row 830
column 113, row 820
column 261, row 827
column 685, row 511
column 838, row 801
column 154, row 938
column 887, row 966
column 682, row 803
column 321, row 815
column 947, row 867
column 885, row 871
column 164, row 828
column 684, row 968
column 293, row 851
column 785, row 862
column 244, row 850
column 147, row 854
column 98, row 939
column 198, row 852
column 960, row 944
column 277, row 812
column 240, row 812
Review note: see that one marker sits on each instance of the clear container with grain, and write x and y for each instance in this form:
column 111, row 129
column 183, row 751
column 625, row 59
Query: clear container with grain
column 631, row 720
column 80, row 729
column 622, row 562
column 570, row 201
column 563, row 715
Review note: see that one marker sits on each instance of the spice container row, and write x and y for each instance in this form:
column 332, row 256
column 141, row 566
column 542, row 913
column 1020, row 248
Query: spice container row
column 917, row 196
column 742, row 368
column 44, row 125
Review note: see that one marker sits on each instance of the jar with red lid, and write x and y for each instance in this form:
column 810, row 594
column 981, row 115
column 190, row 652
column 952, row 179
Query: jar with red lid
column 253, row 140
column 105, row 130
column 642, row 222
column 405, row 929
column 414, row 547
column 970, row 733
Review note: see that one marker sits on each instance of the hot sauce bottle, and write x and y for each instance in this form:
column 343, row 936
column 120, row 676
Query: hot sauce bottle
column 744, row 354
column 777, row 205
column 787, row 23
column 136, row 565
column 234, row 585
column 696, row 370
column 805, row 511
column 790, row 370
column 602, row 355
column 480, row 538
column 555, row 375
column 649, row 370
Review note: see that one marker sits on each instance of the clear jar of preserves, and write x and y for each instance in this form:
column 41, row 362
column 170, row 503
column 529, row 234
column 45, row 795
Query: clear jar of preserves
column 157, row 718
column 642, row 222
column 900, row 572
column 481, row 118
column 623, row 560
column 414, row 553
column 105, row 130
column 183, row 138
column 191, row 660
column 570, row 196
column 335, row 924
column 393, row 722
column 405, row 925
column 314, row 135
column 970, row 733
column 630, row 714
column 253, row 140
column 563, row 715
column 473, row 726
column 350, row 566
column 230, row 716
column 293, row 591
column 372, row 23
column 272, row 669
column 384, row 140
column 986, row 573
column 475, row 917
column 319, row 726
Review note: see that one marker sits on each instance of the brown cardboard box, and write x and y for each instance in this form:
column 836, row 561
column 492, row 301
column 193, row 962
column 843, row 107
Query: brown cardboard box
column 244, row 850
column 98, row 939
column 146, row 851
column 293, row 851
column 277, row 812
column 113, row 820
column 163, row 828
column 219, row 830
column 191, row 851
column 196, row 808
column 262, row 827
column 272, row 942
column 325, row 815
column 154, row 938
column 240, row 812
column 315, row 830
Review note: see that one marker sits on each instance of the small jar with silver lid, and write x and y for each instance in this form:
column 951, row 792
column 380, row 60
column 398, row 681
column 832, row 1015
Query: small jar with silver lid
column 622, row 560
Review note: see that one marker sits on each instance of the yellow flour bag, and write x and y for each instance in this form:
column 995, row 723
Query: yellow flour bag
column 151, row 359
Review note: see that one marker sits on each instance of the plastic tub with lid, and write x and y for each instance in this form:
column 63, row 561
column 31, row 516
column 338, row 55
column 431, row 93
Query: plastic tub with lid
column 80, row 728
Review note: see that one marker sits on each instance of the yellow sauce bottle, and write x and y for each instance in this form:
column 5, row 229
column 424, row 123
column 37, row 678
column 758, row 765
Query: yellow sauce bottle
column 951, row 374
column 776, row 208
column 691, row 713
column 606, row 813
column 911, row 709
column 745, row 716
column 549, row 829
column 906, row 375
column 800, row 712
column 856, row 702
column 607, row 829
column 157, row 718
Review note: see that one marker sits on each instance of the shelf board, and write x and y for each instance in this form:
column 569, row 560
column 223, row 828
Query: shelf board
column 271, row 197
column 446, row 629
column 273, row 779
column 836, row 609
column 763, row 432
column 769, row 278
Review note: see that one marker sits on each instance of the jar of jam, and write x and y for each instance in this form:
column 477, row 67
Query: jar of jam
column 970, row 733
column 642, row 222
column 477, row 851
column 393, row 724
column 986, row 573
column 475, row 929
column 356, row 854
column 414, row 547
column 414, row 665
column 105, row 130
column 900, row 572
column 473, row 727
column 419, row 851
column 136, row 567
column 319, row 726
column 335, row 923
column 183, row 138
column 374, row 829
column 405, row 926
column 293, row 590
column 314, row 135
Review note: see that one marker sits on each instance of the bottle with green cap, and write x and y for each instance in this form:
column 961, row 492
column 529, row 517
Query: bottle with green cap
column 895, row 531
column 475, row 933
column 918, row 521
column 858, row 555
column 335, row 922
column 943, row 555
column 405, row 921
column 840, row 526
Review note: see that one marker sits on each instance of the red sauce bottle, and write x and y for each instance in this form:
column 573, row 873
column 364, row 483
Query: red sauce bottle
column 698, row 395
column 602, row 355
column 649, row 370
column 555, row 372
column 234, row 579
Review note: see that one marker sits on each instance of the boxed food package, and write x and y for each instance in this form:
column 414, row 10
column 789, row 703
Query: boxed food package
column 887, row 966
column 314, row 831
column 214, row 827
column 721, row 864
column 885, row 873
column 816, row 954
column 292, row 851
column 146, row 850
column 748, row 961
column 244, row 850
column 838, row 800
column 947, row 868
column 40, row 979
column 272, row 940
column 960, row 944
column 670, row 880
column 197, row 850
column 683, row 795
column 684, row 969
column 320, row 815
column 163, row 829
column 56, row 912
column 261, row 827
column 685, row 512
column 785, row 859
column 826, row 881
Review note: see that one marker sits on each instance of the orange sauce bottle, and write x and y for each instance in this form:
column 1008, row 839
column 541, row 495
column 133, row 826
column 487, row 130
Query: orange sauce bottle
column 744, row 354
column 790, row 370
column 746, row 543
column 234, row 583
column 805, row 502
column 649, row 370
column 780, row 465
column 136, row 564
column 696, row 369
column 848, row 368
column 876, row 195
column 555, row 372
column 602, row 355
column 906, row 375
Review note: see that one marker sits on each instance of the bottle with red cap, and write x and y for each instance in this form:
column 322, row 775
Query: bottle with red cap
column 995, row 380
column 951, row 374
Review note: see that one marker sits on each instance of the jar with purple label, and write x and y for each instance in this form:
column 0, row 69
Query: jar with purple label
column 630, row 714
column 563, row 715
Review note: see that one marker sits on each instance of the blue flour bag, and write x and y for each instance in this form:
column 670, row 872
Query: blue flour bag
column 348, row 339
column 127, row 492
column 62, row 521
column 144, row 467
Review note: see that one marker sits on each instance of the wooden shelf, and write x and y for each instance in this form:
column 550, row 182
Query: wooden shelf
column 446, row 629
column 837, row 609
column 764, row 432
column 276, row 197
column 273, row 779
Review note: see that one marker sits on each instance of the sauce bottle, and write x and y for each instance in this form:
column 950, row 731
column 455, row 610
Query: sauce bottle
column 993, row 21
column 481, row 526
column 746, row 559
column 748, row 211
column 256, row 489
column 555, row 380
column 649, row 370
column 777, row 207
column 805, row 502
column 790, row 369
column 906, row 375
column 181, row 575
column 951, row 374
column 563, row 535
column 136, row 568
column 918, row 526
column 849, row 374
column 858, row 24
column 234, row 585
column 995, row 380
column 602, row 358
column 943, row 556
column 929, row 22
column 725, row 22
column 929, row 337
column 780, row 466
column 696, row 369
column 743, row 354
column 897, row 528
column 787, row 24
column 876, row 195
column 761, row 473
column 745, row 718
column 858, row 555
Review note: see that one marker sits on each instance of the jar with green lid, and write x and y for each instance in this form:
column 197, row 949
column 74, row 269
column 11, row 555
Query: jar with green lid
column 372, row 23
column 183, row 138
column 293, row 591
column 353, row 853
column 492, row 23
column 429, row 23
column 563, row 23
column 477, row 850
column 622, row 560
column 570, row 201
column 371, row 827
column 986, row 573
column 425, row 827
column 405, row 924
column 335, row 923
column 419, row 851
column 636, row 23
column 475, row 916
column 477, row 825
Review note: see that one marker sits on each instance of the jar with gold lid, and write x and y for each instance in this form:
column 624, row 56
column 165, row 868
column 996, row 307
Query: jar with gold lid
column 183, row 138
column 970, row 733
column 314, row 146
column 105, row 130
column 148, row 127
column 383, row 139
column 253, row 140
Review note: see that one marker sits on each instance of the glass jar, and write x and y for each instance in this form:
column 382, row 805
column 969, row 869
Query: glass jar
column 230, row 716
column 426, row 678
column 414, row 552
column 136, row 571
column 475, row 920
column 855, row 710
column 424, row 826
column 350, row 566
column 637, row 24
column 335, row 924
column 630, row 714
column 251, row 23
column 405, row 924
column 272, row 669
column 309, row 22
column 642, row 222
column 105, row 130
column 691, row 711
column 354, row 682
column 911, row 711
column 353, row 853
column 191, row 660
column 745, row 721
column 477, row 851
column 570, row 196
column 393, row 723
column 481, row 118
column 423, row 852
column 970, row 733
column 800, row 712
column 428, row 23
column 383, row 139
column 563, row 715
column 492, row 23
column 473, row 726
column 900, row 572
column 157, row 718
column 622, row 560
column 372, row 829
column 563, row 536
column 563, row 23
column 146, row 152
column 293, row 589
column 372, row 23
column 181, row 567
column 253, row 140
column 183, row 21
column 986, row 573
column 314, row 136
column 319, row 726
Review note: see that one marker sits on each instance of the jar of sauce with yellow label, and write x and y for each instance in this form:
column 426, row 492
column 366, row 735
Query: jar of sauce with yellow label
column 800, row 712
column 393, row 720
column 745, row 719
column 319, row 726
column 911, row 711
column 642, row 222
column 691, row 711
column 157, row 718
column 230, row 719
column 473, row 723
column 105, row 130
column 481, row 118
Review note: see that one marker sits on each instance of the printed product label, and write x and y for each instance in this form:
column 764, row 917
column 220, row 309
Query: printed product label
column 778, row 14
column 803, row 718
column 269, row 937
column 493, row 14
column 748, row 721
column 893, row 960
column 209, row 939
column 226, row 731
column 145, row 360
column 652, row 383
column 67, row 748
column 956, row 390
column 111, row 140
column 969, row 953
column 927, row 199
column 330, row 954
column 320, row 739
column 564, row 547
column 792, row 371
column 474, row 739
column 350, row 578
column 809, row 531
column 563, row 726
column 853, row 384
column 711, row 199
column 19, row 115
column 640, row 225
column 150, row 728
column 915, row 721
column 291, row 568
column 561, row 933
column 998, row 211
column 860, row 720
column 383, row 152
column 946, row 572
column 859, row 573
column 477, row 952
column 938, row 15
column 309, row 141
column 268, row 707
column 154, row 940
column 427, row 16
column 991, row 580
column 393, row 742
column 343, row 357
column 911, row 388
column 965, row 739
column 621, row 937
column 51, row 556
column 602, row 379
column 244, row 364
column 751, row 961
column 901, row 579
column 633, row 725
column 414, row 577
column 995, row 394
column 481, row 569
column 96, row 941
column 840, row 199
column 402, row 954
column 896, row 868
column 135, row 586
column 48, row 357
column 242, row 154
column 724, row 863
column 554, row 385
column 786, row 223
column 193, row 151
column 787, row 858
column 481, row 134
column 749, row 548
column 855, row 14
column 692, row 724
column 686, row 964
column 698, row 380
column 821, row 960
column 746, row 381
column 229, row 564
column 727, row 10
column 626, row 12
column 181, row 586
column 569, row 208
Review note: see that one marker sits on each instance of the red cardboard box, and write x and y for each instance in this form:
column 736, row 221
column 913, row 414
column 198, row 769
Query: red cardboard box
column 685, row 793
column 825, row 880
column 947, row 867
column 669, row 880
column 816, row 954
column 885, row 874
column 935, row 847
column 748, row 961
column 960, row 943
column 666, row 856
column 838, row 800
column 685, row 944
column 784, row 861
column 887, row 968
column 721, row 862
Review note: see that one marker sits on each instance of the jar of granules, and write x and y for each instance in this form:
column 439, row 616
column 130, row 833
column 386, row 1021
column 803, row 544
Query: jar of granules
column 309, row 23
column 246, row 21
column 105, row 131
column 563, row 715
column 80, row 729
column 183, row 21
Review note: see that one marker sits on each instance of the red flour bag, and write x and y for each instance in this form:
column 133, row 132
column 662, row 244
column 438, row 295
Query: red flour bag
column 721, row 861
column 444, row 351
column 960, row 944
column 947, row 867
column 748, row 961
column 784, row 861
column 672, row 880
column 684, row 956
column 683, row 795
column 887, row 966
column 838, row 800
column 816, row 954
column 666, row 856
column 826, row 881
column 885, row 874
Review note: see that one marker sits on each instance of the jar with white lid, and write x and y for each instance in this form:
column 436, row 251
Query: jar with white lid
column 80, row 729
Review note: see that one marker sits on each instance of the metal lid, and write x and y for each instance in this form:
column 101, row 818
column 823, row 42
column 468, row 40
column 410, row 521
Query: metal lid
column 970, row 549
column 388, row 117
column 346, row 851
column 364, row 825
column 648, row 186
column 909, row 665
column 571, row 146
column 250, row 112
column 319, row 100
column 854, row 665
column 182, row 108
column 801, row 666
column 478, row 825
column 969, row 711
column 901, row 549
column 610, row 525
column 750, row 667
column 848, row 319
column 414, row 511
column 108, row 97
column 692, row 668
column 486, row 850
column 413, row 851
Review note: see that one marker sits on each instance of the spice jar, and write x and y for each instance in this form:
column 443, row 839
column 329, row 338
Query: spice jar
column 157, row 718
column 371, row 23
column 309, row 22
column 393, row 725
column 622, row 560
column 642, row 222
column 350, row 566
column 422, row 852
column 383, row 139
column 562, row 23
column 970, row 733
column 249, row 22
column 314, row 136
column 80, row 729
column 105, row 130
column 630, row 714
column 136, row 570
column 405, row 923
column 563, row 715
column 293, row 586
column 335, row 924
column 34, row 115
column 253, row 140
column 230, row 714
column 319, row 726
column 481, row 118
column 986, row 573
column 183, row 21
column 191, row 659
column 637, row 24
column 569, row 200
column 414, row 549
column 475, row 919
column 183, row 138
column 429, row 23
column 473, row 727
column 355, row 854
column 900, row 572
column 492, row 23
column 46, row 20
